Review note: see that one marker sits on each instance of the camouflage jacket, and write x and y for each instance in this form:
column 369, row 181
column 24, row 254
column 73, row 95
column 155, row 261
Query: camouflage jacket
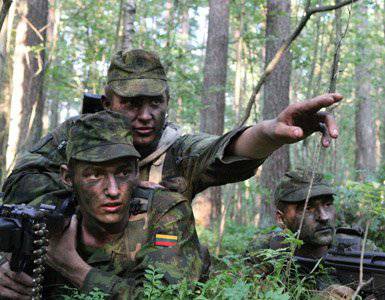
column 192, row 163
column 164, row 238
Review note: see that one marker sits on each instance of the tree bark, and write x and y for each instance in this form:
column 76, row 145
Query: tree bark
column 213, row 99
column 27, row 80
column 184, row 34
column 129, row 10
column 4, row 11
column 5, row 88
column 239, row 65
column 365, row 135
column 276, row 98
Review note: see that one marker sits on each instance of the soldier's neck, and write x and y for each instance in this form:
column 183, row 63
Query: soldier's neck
column 311, row 251
column 97, row 235
column 149, row 148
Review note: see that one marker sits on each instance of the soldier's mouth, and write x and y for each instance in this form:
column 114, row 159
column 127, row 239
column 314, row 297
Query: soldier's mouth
column 324, row 230
column 144, row 130
column 112, row 206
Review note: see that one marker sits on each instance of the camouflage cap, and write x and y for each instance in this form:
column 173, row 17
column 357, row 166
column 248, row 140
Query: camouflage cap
column 137, row 73
column 295, row 186
column 100, row 137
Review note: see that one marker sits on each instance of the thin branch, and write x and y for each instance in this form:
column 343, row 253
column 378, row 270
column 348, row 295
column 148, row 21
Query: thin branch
column 273, row 63
column 4, row 11
column 316, row 158
column 336, row 57
column 362, row 283
column 37, row 31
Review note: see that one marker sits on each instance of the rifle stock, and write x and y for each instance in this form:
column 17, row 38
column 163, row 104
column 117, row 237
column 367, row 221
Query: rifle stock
column 347, row 269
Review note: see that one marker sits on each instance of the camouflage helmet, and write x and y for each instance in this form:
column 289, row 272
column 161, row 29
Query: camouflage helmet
column 294, row 187
column 137, row 73
column 100, row 137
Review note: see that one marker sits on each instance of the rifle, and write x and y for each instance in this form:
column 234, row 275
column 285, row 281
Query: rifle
column 24, row 233
column 347, row 269
column 91, row 103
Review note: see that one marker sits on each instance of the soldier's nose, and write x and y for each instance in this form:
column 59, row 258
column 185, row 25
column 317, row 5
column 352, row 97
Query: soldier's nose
column 145, row 113
column 112, row 189
column 322, row 214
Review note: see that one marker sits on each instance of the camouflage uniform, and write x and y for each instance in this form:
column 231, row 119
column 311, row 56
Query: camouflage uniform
column 191, row 162
column 118, row 267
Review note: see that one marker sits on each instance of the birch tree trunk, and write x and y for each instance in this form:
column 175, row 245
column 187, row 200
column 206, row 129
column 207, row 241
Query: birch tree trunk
column 129, row 10
column 52, row 38
column 5, row 88
column 214, row 85
column 365, row 135
column 28, row 75
column 276, row 98
column 237, row 104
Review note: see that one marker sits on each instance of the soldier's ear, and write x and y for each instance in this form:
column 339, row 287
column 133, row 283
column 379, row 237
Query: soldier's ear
column 279, row 219
column 65, row 175
column 106, row 102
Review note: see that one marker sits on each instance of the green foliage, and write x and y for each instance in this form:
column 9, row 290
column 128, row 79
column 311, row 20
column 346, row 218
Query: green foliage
column 234, row 277
column 358, row 202
column 74, row 294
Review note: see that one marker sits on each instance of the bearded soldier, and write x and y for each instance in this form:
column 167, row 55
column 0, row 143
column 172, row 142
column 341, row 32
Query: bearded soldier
column 318, row 232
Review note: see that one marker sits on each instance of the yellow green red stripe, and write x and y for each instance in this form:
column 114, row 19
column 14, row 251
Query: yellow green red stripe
column 165, row 240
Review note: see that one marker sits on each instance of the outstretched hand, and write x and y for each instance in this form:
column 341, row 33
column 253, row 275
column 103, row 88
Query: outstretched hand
column 293, row 124
column 300, row 120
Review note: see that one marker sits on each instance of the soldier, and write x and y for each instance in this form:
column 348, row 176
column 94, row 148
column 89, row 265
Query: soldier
column 318, row 231
column 106, row 246
column 137, row 87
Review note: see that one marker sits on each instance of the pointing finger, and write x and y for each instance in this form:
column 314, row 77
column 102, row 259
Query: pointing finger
column 314, row 105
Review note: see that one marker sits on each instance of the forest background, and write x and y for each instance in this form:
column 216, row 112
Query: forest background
column 215, row 52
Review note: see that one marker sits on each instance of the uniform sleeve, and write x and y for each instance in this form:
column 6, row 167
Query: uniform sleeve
column 114, row 286
column 173, row 249
column 36, row 171
column 203, row 161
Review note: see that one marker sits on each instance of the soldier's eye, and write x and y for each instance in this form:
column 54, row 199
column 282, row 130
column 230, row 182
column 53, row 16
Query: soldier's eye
column 125, row 172
column 93, row 175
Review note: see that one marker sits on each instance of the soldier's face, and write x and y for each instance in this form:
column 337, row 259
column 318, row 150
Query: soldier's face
column 319, row 222
column 104, row 190
column 146, row 113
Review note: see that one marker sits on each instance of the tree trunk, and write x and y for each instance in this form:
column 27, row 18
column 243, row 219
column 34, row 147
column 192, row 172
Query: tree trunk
column 168, row 19
column 184, row 35
column 4, row 11
column 382, row 126
column 239, row 65
column 28, row 67
column 276, row 98
column 213, row 99
column 129, row 10
column 365, row 135
column 53, row 114
column 5, row 88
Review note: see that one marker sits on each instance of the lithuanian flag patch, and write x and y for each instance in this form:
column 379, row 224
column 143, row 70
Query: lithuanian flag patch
column 165, row 240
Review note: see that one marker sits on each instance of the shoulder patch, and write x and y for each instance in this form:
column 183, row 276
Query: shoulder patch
column 165, row 240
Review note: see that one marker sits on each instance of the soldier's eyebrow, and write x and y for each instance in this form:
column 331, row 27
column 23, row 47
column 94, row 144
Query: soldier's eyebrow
column 130, row 166
column 91, row 168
